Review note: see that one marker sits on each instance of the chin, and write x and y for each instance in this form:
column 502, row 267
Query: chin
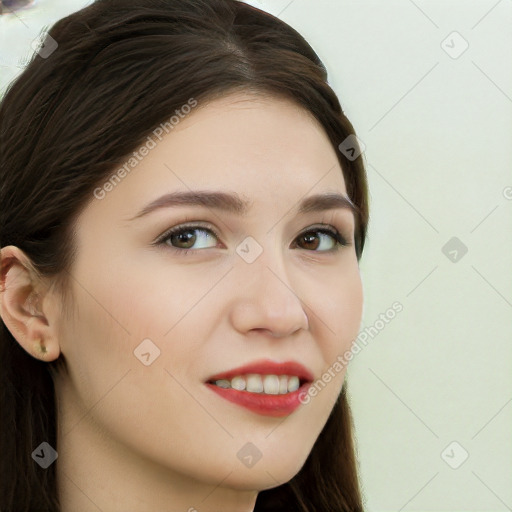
column 261, row 477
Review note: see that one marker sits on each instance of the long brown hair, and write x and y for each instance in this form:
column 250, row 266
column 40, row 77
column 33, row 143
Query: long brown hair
column 120, row 69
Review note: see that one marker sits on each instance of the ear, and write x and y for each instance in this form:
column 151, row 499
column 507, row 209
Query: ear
column 27, row 305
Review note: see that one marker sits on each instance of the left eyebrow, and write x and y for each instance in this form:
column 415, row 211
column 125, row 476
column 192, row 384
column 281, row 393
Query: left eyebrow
column 232, row 203
column 329, row 201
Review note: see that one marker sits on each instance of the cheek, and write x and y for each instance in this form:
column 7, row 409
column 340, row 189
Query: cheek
column 339, row 308
column 335, row 321
column 172, row 306
column 96, row 342
column 112, row 314
column 122, row 304
column 159, row 293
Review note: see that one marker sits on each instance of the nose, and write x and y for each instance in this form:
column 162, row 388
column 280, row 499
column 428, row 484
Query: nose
column 265, row 300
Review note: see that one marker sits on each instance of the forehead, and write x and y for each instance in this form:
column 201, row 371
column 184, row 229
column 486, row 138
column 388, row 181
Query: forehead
column 267, row 150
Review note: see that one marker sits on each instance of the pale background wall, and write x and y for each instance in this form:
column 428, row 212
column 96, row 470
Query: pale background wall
column 437, row 125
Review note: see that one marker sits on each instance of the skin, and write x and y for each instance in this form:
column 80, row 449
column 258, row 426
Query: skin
column 146, row 438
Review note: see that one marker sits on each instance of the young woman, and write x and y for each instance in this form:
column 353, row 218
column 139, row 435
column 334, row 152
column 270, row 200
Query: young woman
column 181, row 229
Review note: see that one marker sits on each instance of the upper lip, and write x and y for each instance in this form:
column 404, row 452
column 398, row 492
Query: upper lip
column 267, row 367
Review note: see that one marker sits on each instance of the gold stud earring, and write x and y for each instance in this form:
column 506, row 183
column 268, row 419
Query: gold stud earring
column 40, row 348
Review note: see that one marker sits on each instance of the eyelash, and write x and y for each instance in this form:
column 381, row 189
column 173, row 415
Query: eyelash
column 340, row 240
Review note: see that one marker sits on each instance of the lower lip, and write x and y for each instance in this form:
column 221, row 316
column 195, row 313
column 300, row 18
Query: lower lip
column 267, row 405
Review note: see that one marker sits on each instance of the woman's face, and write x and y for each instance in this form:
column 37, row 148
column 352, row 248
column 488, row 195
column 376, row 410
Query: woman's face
column 153, row 323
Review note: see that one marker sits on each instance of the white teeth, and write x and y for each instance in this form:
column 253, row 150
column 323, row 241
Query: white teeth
column 283, row 384
column 254, row 383
column 238, row 383
column 267, row 384
column 271, row 384
column 293, row 384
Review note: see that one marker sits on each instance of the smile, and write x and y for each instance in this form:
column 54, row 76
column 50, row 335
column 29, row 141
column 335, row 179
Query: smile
column 264, row 387
column 267, row 384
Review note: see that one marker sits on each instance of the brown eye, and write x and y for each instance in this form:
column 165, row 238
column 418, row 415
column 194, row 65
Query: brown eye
column 315, row 238
column 185, row 237
column 311, row 241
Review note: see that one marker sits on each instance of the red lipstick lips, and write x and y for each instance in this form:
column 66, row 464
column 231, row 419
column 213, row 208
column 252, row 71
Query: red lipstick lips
column 261, row 403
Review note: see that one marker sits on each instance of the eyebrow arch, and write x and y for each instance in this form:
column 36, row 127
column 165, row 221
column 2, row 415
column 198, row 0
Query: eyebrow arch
column 233, row 204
